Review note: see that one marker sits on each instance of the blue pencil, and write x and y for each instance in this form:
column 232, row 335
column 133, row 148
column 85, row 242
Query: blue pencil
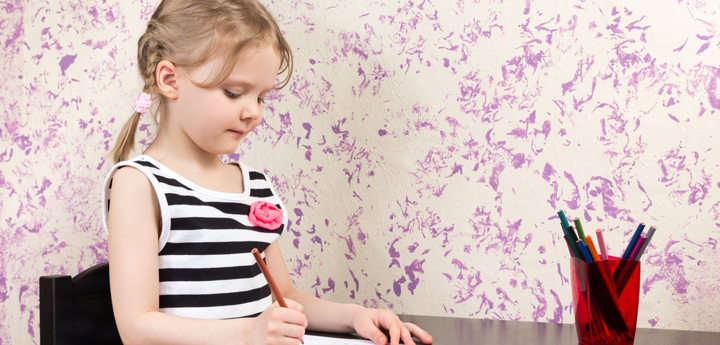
column 585, row 251
column 633, row 241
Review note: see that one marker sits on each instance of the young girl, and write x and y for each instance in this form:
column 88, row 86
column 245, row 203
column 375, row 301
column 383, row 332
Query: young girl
column 181, row 224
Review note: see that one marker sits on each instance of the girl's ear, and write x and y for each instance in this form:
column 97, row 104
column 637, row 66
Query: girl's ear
column 166, row 74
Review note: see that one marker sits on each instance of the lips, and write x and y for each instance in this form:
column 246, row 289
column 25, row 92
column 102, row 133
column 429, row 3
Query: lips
column 240, row 133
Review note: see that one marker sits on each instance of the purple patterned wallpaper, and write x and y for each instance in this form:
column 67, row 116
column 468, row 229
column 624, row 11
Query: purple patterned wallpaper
column 422, row 149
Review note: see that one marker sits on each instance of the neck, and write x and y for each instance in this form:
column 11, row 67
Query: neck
column 174, row 147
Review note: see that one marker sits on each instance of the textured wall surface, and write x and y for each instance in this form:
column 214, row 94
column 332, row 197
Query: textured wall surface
column 422, row 149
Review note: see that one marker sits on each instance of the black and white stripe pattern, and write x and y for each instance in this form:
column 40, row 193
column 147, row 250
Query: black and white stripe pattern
column 206, row 268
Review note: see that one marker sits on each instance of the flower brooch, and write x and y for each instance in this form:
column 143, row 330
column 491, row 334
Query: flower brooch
column 265, row 215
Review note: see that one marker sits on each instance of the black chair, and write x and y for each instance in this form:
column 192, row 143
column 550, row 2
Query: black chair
column 77, row 310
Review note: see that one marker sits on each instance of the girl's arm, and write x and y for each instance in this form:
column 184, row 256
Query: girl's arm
column 133, row 228
column 333, row 317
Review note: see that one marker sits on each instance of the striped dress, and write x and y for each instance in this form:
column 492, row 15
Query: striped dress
column 206, row 268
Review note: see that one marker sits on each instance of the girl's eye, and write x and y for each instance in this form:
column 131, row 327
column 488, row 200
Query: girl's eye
column 231, row 94
column 261, row 100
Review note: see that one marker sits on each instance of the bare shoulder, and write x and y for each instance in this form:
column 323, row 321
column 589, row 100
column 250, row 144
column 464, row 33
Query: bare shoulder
column 129, row 177
column 129, row 182
column 133, row 200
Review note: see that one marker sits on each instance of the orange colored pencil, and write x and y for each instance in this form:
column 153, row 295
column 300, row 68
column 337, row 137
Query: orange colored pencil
column 275, row 291
column 273, row 288
column 607, row 276
column 591, row 247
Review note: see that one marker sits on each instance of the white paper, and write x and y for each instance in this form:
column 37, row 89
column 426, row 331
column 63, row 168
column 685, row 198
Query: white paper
column 317, row 340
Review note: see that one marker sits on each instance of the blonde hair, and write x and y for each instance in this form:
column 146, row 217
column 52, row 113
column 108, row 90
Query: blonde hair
column 189, row 33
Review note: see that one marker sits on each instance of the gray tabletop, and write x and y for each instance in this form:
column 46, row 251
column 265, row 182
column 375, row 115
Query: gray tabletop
column 463, row 331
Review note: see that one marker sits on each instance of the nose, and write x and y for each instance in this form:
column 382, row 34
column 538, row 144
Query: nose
column 251, row 111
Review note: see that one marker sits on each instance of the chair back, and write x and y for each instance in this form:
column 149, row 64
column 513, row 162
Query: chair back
column 78, row 310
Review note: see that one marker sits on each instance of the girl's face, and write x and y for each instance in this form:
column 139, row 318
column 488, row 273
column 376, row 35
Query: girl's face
column 216, row 119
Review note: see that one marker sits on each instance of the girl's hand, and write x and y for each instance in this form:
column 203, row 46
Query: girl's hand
column 278, row 325
column 368, row 322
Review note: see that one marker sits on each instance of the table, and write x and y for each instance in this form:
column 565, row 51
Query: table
column 466, row 331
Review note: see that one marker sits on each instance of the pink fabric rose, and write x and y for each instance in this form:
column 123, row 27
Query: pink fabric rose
column 265, row 215
column 143, row 102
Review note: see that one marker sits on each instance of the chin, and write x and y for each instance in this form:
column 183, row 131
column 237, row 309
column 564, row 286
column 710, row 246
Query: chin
column 226, row 152
column 225, row 148
column 222, row 150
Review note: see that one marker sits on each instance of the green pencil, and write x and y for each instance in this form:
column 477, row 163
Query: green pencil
column 579, row 228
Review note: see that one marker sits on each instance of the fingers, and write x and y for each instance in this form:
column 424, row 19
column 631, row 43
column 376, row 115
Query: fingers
column 419, row 333
column 367, row 329
column 404, row 331
column 395, row 330
column 286, row 330
column 293, row 305
column 288, row 315
column 377, row 336
column 369, row 323
column 407, row 331
column 405, row 336
column 292, row 314
column 283, row 324
column 392, row 323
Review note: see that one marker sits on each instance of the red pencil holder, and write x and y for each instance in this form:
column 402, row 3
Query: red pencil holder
column 605, row 298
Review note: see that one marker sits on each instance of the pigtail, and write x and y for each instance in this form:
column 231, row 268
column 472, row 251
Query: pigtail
column 126, row 139
column 149, row 55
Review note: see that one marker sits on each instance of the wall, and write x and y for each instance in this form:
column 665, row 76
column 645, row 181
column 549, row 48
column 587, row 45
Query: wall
column 422, row 149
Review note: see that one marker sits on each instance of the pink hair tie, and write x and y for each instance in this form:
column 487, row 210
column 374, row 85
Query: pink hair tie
column 143, row 102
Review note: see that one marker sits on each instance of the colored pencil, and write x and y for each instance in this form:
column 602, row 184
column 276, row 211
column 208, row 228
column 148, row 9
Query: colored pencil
column 586, row 253
column 591, row 248
column 637, row 247
column 570, row 247
column 633, row 241
column 578, row 226
column 573, row 235
column 601, row 243
column 604, row 296
column 563, row 219
column 626, row 269
column 603, row 267
column 648, row 236
column 620, row 270
column 273, row 288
